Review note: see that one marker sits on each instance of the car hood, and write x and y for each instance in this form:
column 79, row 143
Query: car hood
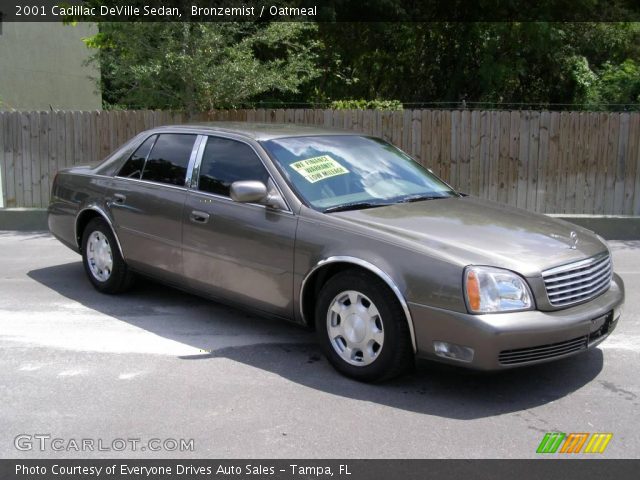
column 471, row 231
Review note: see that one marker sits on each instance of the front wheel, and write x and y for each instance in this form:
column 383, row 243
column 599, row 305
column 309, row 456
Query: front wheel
column 362, row 328
column 102, row 261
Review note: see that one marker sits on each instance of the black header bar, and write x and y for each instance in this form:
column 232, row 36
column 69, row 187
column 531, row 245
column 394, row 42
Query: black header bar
column 320, row 10
column 578, row 469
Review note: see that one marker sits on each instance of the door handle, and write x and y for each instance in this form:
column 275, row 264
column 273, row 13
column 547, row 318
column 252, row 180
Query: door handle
column 199, row 217
column 119, row 198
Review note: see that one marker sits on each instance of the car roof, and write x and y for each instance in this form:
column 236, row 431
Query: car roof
column 258, row 131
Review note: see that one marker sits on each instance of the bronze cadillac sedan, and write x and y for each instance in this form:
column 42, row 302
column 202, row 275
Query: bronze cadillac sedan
column 343, row 233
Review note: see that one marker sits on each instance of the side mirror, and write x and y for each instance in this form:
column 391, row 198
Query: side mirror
column 248, row 191
column 253, row 191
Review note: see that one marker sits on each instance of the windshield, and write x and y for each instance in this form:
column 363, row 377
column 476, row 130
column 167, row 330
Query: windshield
column 340, row 172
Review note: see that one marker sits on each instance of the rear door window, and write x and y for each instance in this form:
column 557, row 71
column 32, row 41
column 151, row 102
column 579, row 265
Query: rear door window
column 133, row 167
column 169, row 158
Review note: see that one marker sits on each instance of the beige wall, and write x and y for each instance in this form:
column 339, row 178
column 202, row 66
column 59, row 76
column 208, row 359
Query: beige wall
column 42, row 67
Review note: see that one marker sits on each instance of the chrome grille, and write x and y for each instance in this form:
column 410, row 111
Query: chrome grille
column 579, row 281
column 542, row 352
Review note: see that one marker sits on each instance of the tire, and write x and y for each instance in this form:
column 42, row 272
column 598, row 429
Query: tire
column 361, row 342
column 102, row 261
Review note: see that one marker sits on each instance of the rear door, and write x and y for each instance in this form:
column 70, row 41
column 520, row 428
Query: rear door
column 146, row 199
column 242, row 252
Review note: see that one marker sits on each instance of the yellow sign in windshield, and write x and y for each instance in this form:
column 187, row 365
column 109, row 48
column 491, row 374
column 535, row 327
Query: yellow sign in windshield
column 318, row 168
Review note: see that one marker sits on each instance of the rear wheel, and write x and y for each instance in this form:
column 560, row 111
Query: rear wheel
column 362, row 328
column 104, row 265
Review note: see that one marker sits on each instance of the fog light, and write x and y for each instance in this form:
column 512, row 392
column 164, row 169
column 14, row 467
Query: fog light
column 453, row 351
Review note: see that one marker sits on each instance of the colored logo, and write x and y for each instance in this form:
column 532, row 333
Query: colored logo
column 557, row 442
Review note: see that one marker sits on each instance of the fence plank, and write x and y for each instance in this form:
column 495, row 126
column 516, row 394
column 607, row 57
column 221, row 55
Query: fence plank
column 514, row 145
column 621, row 159
column 396, row 135
column 32, row 167
column 636, row 160
column 601, row 171
column 78, row 158
column 532, row 165
column 6, row 157
column 13, row 146
column 591, row 146
column 445, row 156
column 347, row 120
column 23, row 163
column 612, row 157
column 503, row 157
column 299, row 115
column 68, row 149
column 436, row 143
column 581, row 154
column 464, row 167
column 377, row 123
column 52, row 151
column 61, row 141
column 571, row 164
column 494, row 155
column 424, row 148
column 474, row 153
column 543, row 160
column 563, row 158
column 485, row 150
column 416, row 134
column 406, row 131
column 523, row 157
column 454, row 177
column 7, row 131
column 553, row 162
column 42, row 160
column 20, row 124
column 631, row 163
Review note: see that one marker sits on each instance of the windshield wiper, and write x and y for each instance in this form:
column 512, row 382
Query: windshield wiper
column 419, row 198
column 354, row 206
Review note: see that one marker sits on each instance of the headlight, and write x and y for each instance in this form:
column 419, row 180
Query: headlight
column 490, row 289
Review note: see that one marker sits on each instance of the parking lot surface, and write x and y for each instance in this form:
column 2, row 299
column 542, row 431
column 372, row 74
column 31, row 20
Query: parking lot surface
column 157, row 363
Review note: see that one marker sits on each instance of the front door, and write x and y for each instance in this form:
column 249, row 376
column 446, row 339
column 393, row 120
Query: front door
column 238, row 251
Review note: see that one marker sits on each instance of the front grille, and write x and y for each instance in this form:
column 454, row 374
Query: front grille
column 542, row 352
column 578, row 282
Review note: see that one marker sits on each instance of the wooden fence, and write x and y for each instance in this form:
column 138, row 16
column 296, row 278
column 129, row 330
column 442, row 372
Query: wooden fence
column 555, row 162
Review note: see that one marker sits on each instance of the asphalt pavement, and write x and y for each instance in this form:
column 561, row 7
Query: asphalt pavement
column 168, row 374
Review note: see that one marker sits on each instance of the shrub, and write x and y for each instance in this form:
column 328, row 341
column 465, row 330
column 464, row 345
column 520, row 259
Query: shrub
column 366, row 105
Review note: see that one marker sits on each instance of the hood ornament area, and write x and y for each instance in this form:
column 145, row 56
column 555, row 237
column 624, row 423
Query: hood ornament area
column 574, row 240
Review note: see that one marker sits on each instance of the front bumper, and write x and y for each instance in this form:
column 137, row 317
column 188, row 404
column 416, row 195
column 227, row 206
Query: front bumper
column 507, row 340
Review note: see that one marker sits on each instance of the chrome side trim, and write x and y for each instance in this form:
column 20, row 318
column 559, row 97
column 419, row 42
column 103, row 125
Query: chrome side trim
column 151, row 183
column 373, row 269
column 195, row 153
column 95, row 208
column 192, row 180
column 229, row 200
